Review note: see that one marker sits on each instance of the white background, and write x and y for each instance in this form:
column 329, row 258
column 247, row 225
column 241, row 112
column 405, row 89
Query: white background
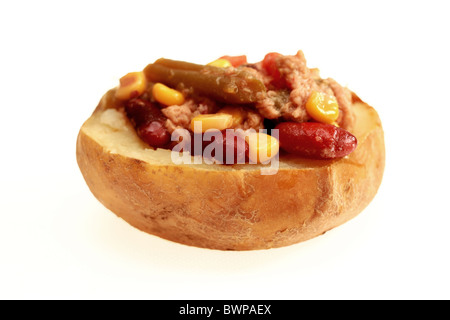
column 58, row 58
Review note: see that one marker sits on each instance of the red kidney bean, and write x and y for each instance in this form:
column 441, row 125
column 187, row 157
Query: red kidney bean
column 141, row 111
column 315, row 140
column 148, row 121
column 154, row 133
column 232, row 148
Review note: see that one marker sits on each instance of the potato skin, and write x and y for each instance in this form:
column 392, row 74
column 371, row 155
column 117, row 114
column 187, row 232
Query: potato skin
column 240, row 209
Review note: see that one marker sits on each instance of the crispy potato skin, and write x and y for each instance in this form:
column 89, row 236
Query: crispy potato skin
column 235, row 210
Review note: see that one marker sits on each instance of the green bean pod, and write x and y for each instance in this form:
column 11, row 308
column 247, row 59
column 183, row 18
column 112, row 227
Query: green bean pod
column 229, row 86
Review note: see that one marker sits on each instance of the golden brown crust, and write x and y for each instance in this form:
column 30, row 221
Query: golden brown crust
column 236, row 209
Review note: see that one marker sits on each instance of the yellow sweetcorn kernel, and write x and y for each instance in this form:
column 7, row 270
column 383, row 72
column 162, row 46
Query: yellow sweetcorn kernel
column 167, row 96
column 131, row 85
column 220, row 63
column 322, row 107
column 238, row 114
column 261, row 147
column 216, row 121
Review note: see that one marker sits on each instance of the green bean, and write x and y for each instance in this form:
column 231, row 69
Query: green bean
column 180, row 65
column 237, row 86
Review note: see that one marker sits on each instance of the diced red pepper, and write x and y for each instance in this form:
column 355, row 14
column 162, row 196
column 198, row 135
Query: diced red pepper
column 236, row 61
column 269, row 64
